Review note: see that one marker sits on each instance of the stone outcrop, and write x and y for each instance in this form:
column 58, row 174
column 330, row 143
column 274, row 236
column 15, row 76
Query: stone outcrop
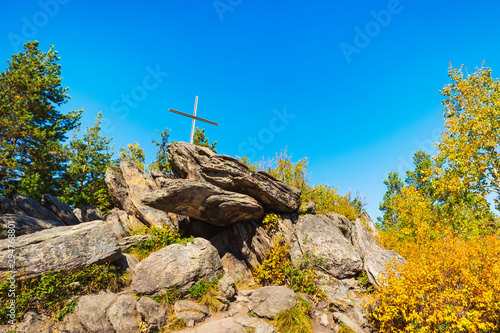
column 60, row 209
column 27, row 225
column 7, row 206
column 197, row 163
column 375, row 257
column 176, row 265
column 204, row 202
column 317, row 235
column 33, row 208
column 268, row 302
column 190, row 311
column 69, row 247
column 126, row 189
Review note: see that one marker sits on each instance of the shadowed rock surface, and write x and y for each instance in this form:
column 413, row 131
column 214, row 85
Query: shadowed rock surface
column 59, row 208
column 27, row 225
column 204, row 202
column 33, row 208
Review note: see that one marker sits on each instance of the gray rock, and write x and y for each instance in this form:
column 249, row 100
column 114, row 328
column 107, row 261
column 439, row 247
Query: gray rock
column 189, row 310
column 226, row 287
column 157, row 174
column 225, row 325
column 318, row 235
column 118, row 191
column 204, row 202
column 33, row 208
column 374, row 256
column 185, row 159
column 308, row 208
column 63, row 247
column 92, row 312
column 139, row 183
column 122, row 223
column 152, row 313
column 7, row 206
column 270, row 301
column 127, row 242
column 236, row 269
column 32, row 323
column 188, row 161
column 343, row 223
column 59, row 208
column 123, row 315
column 78, row 214
column 91, row 213
column 27, row 225
column 71, row 324
column 176, row 265
column 264, row 327
column 128, row 263
column 340, row 317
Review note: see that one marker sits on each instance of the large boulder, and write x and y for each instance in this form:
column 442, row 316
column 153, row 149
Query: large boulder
column 7, row 206
column 62, row 210
column 27, row 225
column 177, row 265
column 92, row 312
column 123, row 315
column 126, row 190
column 69, row 247
column 153, row 313
column 204, row 202
column 91, row 213
column 268, row 302
column 319, row 236
column 122, row 223
column 33, row 208
column 375, row 257
column 192, row 162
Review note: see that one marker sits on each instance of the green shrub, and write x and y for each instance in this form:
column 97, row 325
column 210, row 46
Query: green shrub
column 277, row 269
column 271, row 221
column 51, row 291
column 161, row 237
column 205, row 292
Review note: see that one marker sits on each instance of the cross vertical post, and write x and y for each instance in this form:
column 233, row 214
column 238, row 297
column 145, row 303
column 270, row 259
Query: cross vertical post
column 194, row 119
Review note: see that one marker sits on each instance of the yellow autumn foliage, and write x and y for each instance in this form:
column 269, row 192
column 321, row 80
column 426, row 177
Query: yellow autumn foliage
column 448, row 285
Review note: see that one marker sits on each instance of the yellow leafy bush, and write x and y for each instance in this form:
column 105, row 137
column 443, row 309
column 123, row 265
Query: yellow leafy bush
column 448, row 285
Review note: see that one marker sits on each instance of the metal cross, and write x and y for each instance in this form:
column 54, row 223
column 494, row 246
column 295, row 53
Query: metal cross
column 193, row 117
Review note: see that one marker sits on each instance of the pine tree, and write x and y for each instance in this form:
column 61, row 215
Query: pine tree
column 200, row 140
column 161, row 161
column 32, row 156
column 85, row 178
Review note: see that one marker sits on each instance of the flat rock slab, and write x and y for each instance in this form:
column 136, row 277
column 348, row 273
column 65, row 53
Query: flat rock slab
column 191, row 162
column 204, row 202
column 176, row 265
column 123, row 315
column 27, row 225
column 62, row 247
column 189, row 310
column 59, row 208
column 268, row 302
column 375, row 257
column 319, row 236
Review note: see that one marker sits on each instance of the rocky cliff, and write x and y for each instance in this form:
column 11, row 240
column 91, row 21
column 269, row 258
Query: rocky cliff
column 221, row 203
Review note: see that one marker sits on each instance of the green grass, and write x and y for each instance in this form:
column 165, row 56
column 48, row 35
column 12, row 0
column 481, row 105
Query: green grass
column 295, row 320
column 50, row 292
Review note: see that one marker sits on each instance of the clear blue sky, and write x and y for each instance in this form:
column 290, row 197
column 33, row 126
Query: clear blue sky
column 352, row 86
